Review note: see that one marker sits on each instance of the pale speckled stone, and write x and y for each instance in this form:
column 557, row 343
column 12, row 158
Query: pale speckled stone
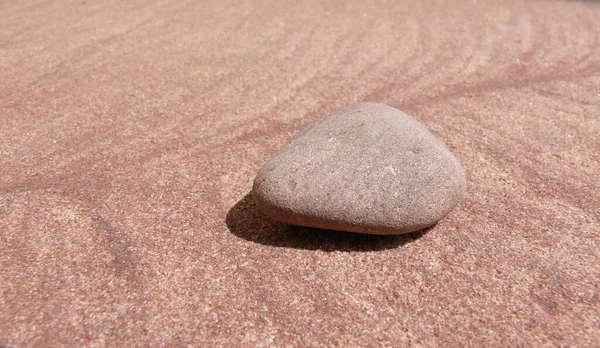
column 366, row 168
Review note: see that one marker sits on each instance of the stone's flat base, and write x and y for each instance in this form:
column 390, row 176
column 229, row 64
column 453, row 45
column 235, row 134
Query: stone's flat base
column 366, row 168
column 131, row 131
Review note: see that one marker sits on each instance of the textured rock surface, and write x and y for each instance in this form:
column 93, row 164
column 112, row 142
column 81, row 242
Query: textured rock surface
column 366, row 168
column 131, row 131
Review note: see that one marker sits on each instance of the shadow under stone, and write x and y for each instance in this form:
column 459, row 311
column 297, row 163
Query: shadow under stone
column 246, row 221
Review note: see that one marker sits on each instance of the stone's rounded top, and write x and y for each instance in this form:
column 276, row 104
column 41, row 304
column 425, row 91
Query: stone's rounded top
column 367, row 168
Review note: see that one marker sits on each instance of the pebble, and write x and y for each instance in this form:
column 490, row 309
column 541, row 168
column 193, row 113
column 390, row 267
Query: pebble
column 365, row 168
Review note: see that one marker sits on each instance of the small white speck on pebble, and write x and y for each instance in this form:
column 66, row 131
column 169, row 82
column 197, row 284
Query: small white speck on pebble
column 391, row 168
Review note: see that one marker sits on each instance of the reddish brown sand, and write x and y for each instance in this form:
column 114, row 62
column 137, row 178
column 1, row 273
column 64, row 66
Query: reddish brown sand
column 131, row 131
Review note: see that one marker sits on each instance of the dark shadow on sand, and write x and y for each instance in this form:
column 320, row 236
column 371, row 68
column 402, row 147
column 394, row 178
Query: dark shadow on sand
column 246, row 221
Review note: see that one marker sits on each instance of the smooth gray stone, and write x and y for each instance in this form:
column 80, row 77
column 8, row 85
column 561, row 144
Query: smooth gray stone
column 366, row 168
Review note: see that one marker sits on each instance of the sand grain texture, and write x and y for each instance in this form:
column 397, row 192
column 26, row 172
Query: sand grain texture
column 131, row 131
